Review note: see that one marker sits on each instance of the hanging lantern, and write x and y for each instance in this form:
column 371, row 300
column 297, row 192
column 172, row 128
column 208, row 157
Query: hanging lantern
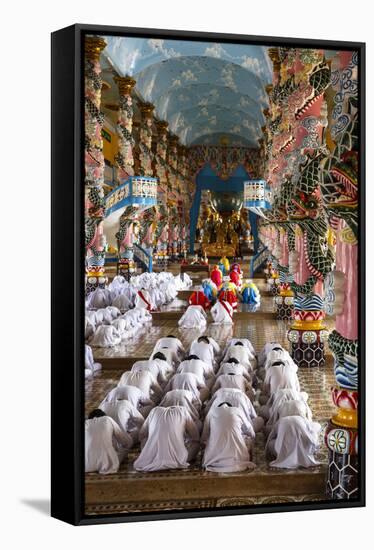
column 257, row 194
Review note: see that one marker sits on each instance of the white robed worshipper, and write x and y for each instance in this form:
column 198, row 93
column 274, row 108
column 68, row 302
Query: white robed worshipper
column 242, row 354
column 293, row 441
column 160, row 369
column 114, row 311
column 265, row 351
column 193, row 363
column 103, row 316
column 169, row 439
column 124, row 327
column 89, row 327
column 132, row 394
column 168, row 354
column 106, row 444
column 90, row 366
column 228, row 436
column 207, row 340
column 182, row 281
column 269, row 411
column 236, row 398
column 222, row 313
column 275, row 354
column 99, row 298
column 246, row 343
column 193, row 317
column 123, row 301
column 143, row 299
column 280, row 375
column 184, row 398
column 234, row 366
column 173, row 343
column 128, row 418
column 188, row 381
column 145, row 381
column 203, row 349
column 105, row 336
column 232, row 380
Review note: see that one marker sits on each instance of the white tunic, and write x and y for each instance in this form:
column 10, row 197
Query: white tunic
column 233, row 381
column 226, row 433
column 105, row 336
column 203, row 351
column 186, row 381
column 183, row 398
column 202, row 370
column 143, row 299
column 99, row 298
column 222, row 313
column 123, row 301
column 212, row 343
column 294, row 440
column 129, row 393
column 242, row 354
column 105, row 445
column 193, row 317
column 161, row 370
column 173, row 344
column 246, row 343
column 128, row 418
column 90, row 366
column 143, row 380
column 276, row 400
column 281, row 377
column 225, row 368
column 164, row 433
column 265, row 351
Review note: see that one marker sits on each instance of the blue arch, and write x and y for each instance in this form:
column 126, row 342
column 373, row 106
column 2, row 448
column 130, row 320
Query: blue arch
column 207, row 179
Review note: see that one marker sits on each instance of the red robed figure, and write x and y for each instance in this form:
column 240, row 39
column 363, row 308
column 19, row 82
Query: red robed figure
column 216, row 276
column 198, row 298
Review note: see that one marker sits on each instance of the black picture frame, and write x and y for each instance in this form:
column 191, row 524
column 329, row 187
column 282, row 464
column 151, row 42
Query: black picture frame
column 67, row 380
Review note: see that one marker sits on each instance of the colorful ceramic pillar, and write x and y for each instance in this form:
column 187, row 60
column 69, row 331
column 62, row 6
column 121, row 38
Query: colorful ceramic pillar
column 124, row 157
column 145, row 139
column 284, row 301
column 94, row 166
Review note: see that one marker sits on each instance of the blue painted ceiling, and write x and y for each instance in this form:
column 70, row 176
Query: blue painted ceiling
column 206, row 91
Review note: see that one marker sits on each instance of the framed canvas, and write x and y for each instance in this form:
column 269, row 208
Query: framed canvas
column 208, row 274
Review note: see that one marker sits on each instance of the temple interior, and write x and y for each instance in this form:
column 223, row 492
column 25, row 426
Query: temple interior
column 221, row 201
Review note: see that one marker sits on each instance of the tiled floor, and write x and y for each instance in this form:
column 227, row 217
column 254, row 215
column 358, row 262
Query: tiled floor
column 316, row 382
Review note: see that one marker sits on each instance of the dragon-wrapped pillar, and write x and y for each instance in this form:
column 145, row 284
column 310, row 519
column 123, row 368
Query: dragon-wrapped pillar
column 124, row 157
column 94, row 166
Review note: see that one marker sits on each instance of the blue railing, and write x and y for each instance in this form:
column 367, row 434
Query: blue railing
column 140, row 190
column 143, row 257
column 257, row 261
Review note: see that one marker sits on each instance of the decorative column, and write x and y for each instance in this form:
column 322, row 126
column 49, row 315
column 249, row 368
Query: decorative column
column 161, row 168
column 94, row 166
column 145, row 137
column 173, row 185
column 285, row 300
column 124, row 157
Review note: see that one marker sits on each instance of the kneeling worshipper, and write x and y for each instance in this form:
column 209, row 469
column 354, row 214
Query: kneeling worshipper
column 173, row 343
column 271, row 411
column 105, row 336
column 261, row 359
column 199, row 298
column 232, row 380
column 184, row 398
column 132, row 394
column 193, row 317
column 145, row 381
column 90, row 367
column 236, row 398
column 203, row 371
column 169, row 357
column 216, row 276
column 280, row 375
column 204, row 348
column 242, row 354
column 277, row 353
column 143, row 299
column 99, row 298
column 128, row 418
column 188, row 381
column 210, row 290
column 160, row 370
column 105, row 443
column 246, row 343
column 233, row 365
column 228, row 436
column 250, row 293
column 235, row 277
column 222, row 313
column 293, row 441
column 169, row 439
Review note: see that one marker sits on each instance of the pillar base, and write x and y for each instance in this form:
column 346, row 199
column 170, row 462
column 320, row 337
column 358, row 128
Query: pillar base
column 342, row 480
column 95, row 279
column 284, row 306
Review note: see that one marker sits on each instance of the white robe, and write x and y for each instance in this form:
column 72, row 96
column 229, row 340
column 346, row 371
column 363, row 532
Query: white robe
column 193, row 317
column 279, row 378
column 246, row 343
column 228, row 435
column 236, row 398
column 128, row 418
column 194, row 366
column 234, row 381
column 143, row 299
column 164, row 435
column 222, row 314
column 265, row 351
column 243, row 355
column 174, row 344
column 214, row 345
column 105, row 336
column 143, row 380
column 123, row 302
column 99, row 298
column 270, row 410
column 188, row 381
column 129, row 393
column 160, row 369
column 294, row 440
column 105, row 445
column 183, row 398
column 182, row 281
column 225, row 368
column 203, row 351
column 90, row 367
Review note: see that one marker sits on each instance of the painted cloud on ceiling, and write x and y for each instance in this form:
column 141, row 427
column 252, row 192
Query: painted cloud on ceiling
column 200, row 88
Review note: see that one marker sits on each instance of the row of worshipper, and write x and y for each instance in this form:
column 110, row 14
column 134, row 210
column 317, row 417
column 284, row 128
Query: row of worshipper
column 195, row 316
column 207, row 294
column 175, row 404
column 149, row 290
column 108, row 333
column 292, row 436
